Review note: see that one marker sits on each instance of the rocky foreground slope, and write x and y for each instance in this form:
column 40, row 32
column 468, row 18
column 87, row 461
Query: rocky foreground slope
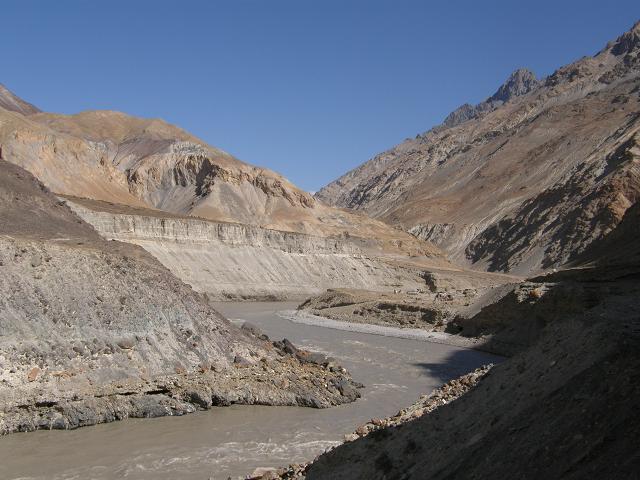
column 93, row 331
column 564, row 408
column 525, row 181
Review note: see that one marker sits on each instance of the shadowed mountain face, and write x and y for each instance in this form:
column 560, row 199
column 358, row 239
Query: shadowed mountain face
column 523, row 181
column 574, row 338
column 148, row 163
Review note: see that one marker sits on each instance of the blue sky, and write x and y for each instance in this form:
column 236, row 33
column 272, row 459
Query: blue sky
column 308, row 88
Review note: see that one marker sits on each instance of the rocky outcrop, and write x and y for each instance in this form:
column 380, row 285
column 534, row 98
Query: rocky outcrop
column 519, row 83
column 450, row 237
column 617, row 254
column 93, row 331
column 396, row 310
column 519, row 315
column 192, row 230
column 443, row 297
column 523, row 182
column 560, row 223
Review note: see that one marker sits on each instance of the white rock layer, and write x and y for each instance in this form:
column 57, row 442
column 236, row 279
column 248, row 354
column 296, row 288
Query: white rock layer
column 228, row 260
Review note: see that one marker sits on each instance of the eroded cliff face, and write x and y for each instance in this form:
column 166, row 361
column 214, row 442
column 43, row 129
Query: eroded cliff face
column 111, row 156
column 94, row 331
column 524, row 181
column 451, row 237
column 227, row 261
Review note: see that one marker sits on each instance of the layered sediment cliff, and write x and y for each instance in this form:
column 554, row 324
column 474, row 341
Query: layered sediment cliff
column 228, row 260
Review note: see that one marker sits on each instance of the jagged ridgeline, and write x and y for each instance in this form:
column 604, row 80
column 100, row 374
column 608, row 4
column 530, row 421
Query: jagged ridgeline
column 524, row 181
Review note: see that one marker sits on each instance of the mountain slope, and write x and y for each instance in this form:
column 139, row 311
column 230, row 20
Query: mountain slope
column 9, row 101
column 524, row 181
column 114, row 157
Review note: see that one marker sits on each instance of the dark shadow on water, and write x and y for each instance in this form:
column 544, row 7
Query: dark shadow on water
column 458, row 363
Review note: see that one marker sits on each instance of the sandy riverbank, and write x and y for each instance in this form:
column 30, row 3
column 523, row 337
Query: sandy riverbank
column 298, row 316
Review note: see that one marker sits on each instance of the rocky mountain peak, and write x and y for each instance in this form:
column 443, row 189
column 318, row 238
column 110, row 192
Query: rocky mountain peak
column 459, row 115
column 520, row 82
column 11, row 102
column 628, row 41
column 467, row 185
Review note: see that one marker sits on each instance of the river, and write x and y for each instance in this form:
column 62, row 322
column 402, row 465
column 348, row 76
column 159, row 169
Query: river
column 232, row 441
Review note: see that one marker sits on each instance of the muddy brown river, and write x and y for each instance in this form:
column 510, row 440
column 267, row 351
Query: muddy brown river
column 233, row 441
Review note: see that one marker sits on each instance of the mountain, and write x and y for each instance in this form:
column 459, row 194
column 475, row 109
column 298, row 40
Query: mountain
column 227, row 228
column 148, row 163
column 524, row 181
column 9, row 101
column 520, row 82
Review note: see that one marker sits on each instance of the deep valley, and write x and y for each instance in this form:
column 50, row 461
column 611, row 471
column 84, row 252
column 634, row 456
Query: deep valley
column 462, row 305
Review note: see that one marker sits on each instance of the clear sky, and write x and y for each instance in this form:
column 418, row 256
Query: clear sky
column 308, row 88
